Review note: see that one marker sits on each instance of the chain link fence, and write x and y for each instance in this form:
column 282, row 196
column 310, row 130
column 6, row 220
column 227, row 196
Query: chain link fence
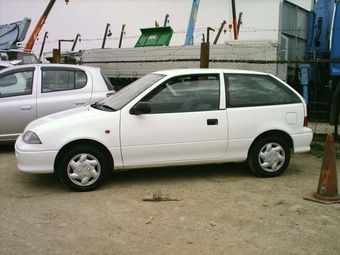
column 322, row 91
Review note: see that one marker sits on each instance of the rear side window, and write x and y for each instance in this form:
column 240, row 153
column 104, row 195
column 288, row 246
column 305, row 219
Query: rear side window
column 256, row 90
column 60, row 80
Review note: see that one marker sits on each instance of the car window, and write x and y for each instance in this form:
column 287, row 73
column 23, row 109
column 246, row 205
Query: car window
column 16, row 84
column 256, row 90
column 185, row 94
column 122, row 97
column 60, row 80
column 107, row 82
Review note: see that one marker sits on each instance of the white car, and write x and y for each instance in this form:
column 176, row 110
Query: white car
column 5, row 64
column 30, row 91
column 170, row 118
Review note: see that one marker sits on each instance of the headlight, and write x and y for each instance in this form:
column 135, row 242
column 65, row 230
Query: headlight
column 31, row 138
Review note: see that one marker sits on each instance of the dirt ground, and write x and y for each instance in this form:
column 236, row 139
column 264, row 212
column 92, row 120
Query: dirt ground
column 224, row 209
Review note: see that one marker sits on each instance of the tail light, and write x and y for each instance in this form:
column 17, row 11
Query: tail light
column 305, row 121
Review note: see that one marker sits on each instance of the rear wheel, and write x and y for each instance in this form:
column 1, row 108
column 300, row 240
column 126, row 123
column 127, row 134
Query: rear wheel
column 269, row 157
column 83, row 168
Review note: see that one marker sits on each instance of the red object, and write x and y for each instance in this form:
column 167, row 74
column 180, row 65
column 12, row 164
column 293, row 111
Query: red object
column 41, row 22
column 327, row 191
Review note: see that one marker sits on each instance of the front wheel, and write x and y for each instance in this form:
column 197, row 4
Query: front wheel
column 83, row 168
column 269, row 157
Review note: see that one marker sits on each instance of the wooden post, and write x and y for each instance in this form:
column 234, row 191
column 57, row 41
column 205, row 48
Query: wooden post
column 56, row 56
column 205, row 55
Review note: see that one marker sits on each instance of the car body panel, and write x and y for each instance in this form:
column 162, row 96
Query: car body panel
column 170, row 136
column 20, row 108
column 245, row 124
column 217, row 135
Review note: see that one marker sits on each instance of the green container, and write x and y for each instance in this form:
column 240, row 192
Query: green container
column 155, row 36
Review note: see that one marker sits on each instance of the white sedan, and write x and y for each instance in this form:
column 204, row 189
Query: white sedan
column 170, row 118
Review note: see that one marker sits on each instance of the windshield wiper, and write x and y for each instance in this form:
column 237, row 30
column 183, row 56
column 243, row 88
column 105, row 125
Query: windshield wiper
column 108, row 107
column 97, row 105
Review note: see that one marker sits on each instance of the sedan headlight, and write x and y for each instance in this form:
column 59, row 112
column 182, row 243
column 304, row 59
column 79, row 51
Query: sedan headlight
column 31, row 138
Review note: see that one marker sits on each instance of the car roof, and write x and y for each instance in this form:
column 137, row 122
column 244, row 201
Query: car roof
column 50, row 65
column 205, row 70
column 5, row 63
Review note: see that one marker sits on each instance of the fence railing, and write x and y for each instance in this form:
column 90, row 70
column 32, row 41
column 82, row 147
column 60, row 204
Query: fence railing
column 323, row 90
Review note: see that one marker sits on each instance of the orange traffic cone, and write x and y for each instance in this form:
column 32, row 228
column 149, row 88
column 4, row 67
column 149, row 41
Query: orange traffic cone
column 327, row 192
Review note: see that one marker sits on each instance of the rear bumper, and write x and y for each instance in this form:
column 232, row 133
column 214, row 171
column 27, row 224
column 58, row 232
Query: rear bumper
column 301, row 142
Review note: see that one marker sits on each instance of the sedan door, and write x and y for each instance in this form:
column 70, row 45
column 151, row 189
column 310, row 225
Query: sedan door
column 62, row 89
column 182, row 122
column 17, row 102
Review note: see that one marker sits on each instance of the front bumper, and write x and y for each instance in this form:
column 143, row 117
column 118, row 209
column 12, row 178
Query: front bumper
column 32, row 158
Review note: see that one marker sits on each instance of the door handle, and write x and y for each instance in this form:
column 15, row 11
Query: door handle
column 212, row 122
column 26, row 107
column 80, row 102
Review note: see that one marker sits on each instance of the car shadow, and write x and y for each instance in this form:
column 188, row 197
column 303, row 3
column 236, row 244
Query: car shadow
column 45, row 183
column 180, row 173
column 6, row 147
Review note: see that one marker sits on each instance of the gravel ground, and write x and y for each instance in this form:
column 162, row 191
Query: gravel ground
column 223, row 209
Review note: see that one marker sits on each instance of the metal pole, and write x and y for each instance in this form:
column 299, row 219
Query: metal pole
column 42, row 47
column 239, row 22
column 166, row 20
column 121, row 36
column 205, row 48
column 219, row 31
column 75, row 42
column 209, row 29
column 234, row 19
column 59, row 46
column 105, row 35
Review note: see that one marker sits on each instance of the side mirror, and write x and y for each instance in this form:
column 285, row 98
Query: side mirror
column 140, row 108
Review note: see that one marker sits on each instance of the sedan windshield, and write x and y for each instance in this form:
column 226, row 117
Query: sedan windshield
column 125, row 95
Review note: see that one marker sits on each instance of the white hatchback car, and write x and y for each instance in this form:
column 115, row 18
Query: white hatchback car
column 30, row 91
column 168, row 118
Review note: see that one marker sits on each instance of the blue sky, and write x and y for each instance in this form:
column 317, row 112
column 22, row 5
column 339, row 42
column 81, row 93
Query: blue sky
column 89, row 18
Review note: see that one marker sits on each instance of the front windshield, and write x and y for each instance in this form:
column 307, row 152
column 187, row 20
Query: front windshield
column 125, row 95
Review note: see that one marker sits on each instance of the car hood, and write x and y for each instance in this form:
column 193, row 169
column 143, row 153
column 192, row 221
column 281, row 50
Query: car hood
column 63, row 118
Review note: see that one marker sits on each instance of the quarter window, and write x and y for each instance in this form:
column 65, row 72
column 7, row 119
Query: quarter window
column 59, row 80
column 185, row 94
column 255, row 90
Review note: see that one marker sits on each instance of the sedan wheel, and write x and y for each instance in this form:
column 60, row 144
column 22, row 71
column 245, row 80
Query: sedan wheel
column 83, row 168
column 269, row 157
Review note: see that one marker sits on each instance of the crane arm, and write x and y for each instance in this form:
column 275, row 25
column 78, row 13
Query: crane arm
column 189, row 38
column 11, row 34
column 41, row 22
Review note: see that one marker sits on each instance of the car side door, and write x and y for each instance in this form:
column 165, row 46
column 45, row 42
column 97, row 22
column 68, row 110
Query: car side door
column 17, row 101
column 62, row 88
column 185, row 123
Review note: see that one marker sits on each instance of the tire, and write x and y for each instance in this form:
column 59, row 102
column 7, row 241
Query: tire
column 269, row 157
column 83, row 168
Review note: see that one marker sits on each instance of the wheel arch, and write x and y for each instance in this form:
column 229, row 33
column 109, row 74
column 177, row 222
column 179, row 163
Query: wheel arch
column 83, row 142
column 278, row 133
